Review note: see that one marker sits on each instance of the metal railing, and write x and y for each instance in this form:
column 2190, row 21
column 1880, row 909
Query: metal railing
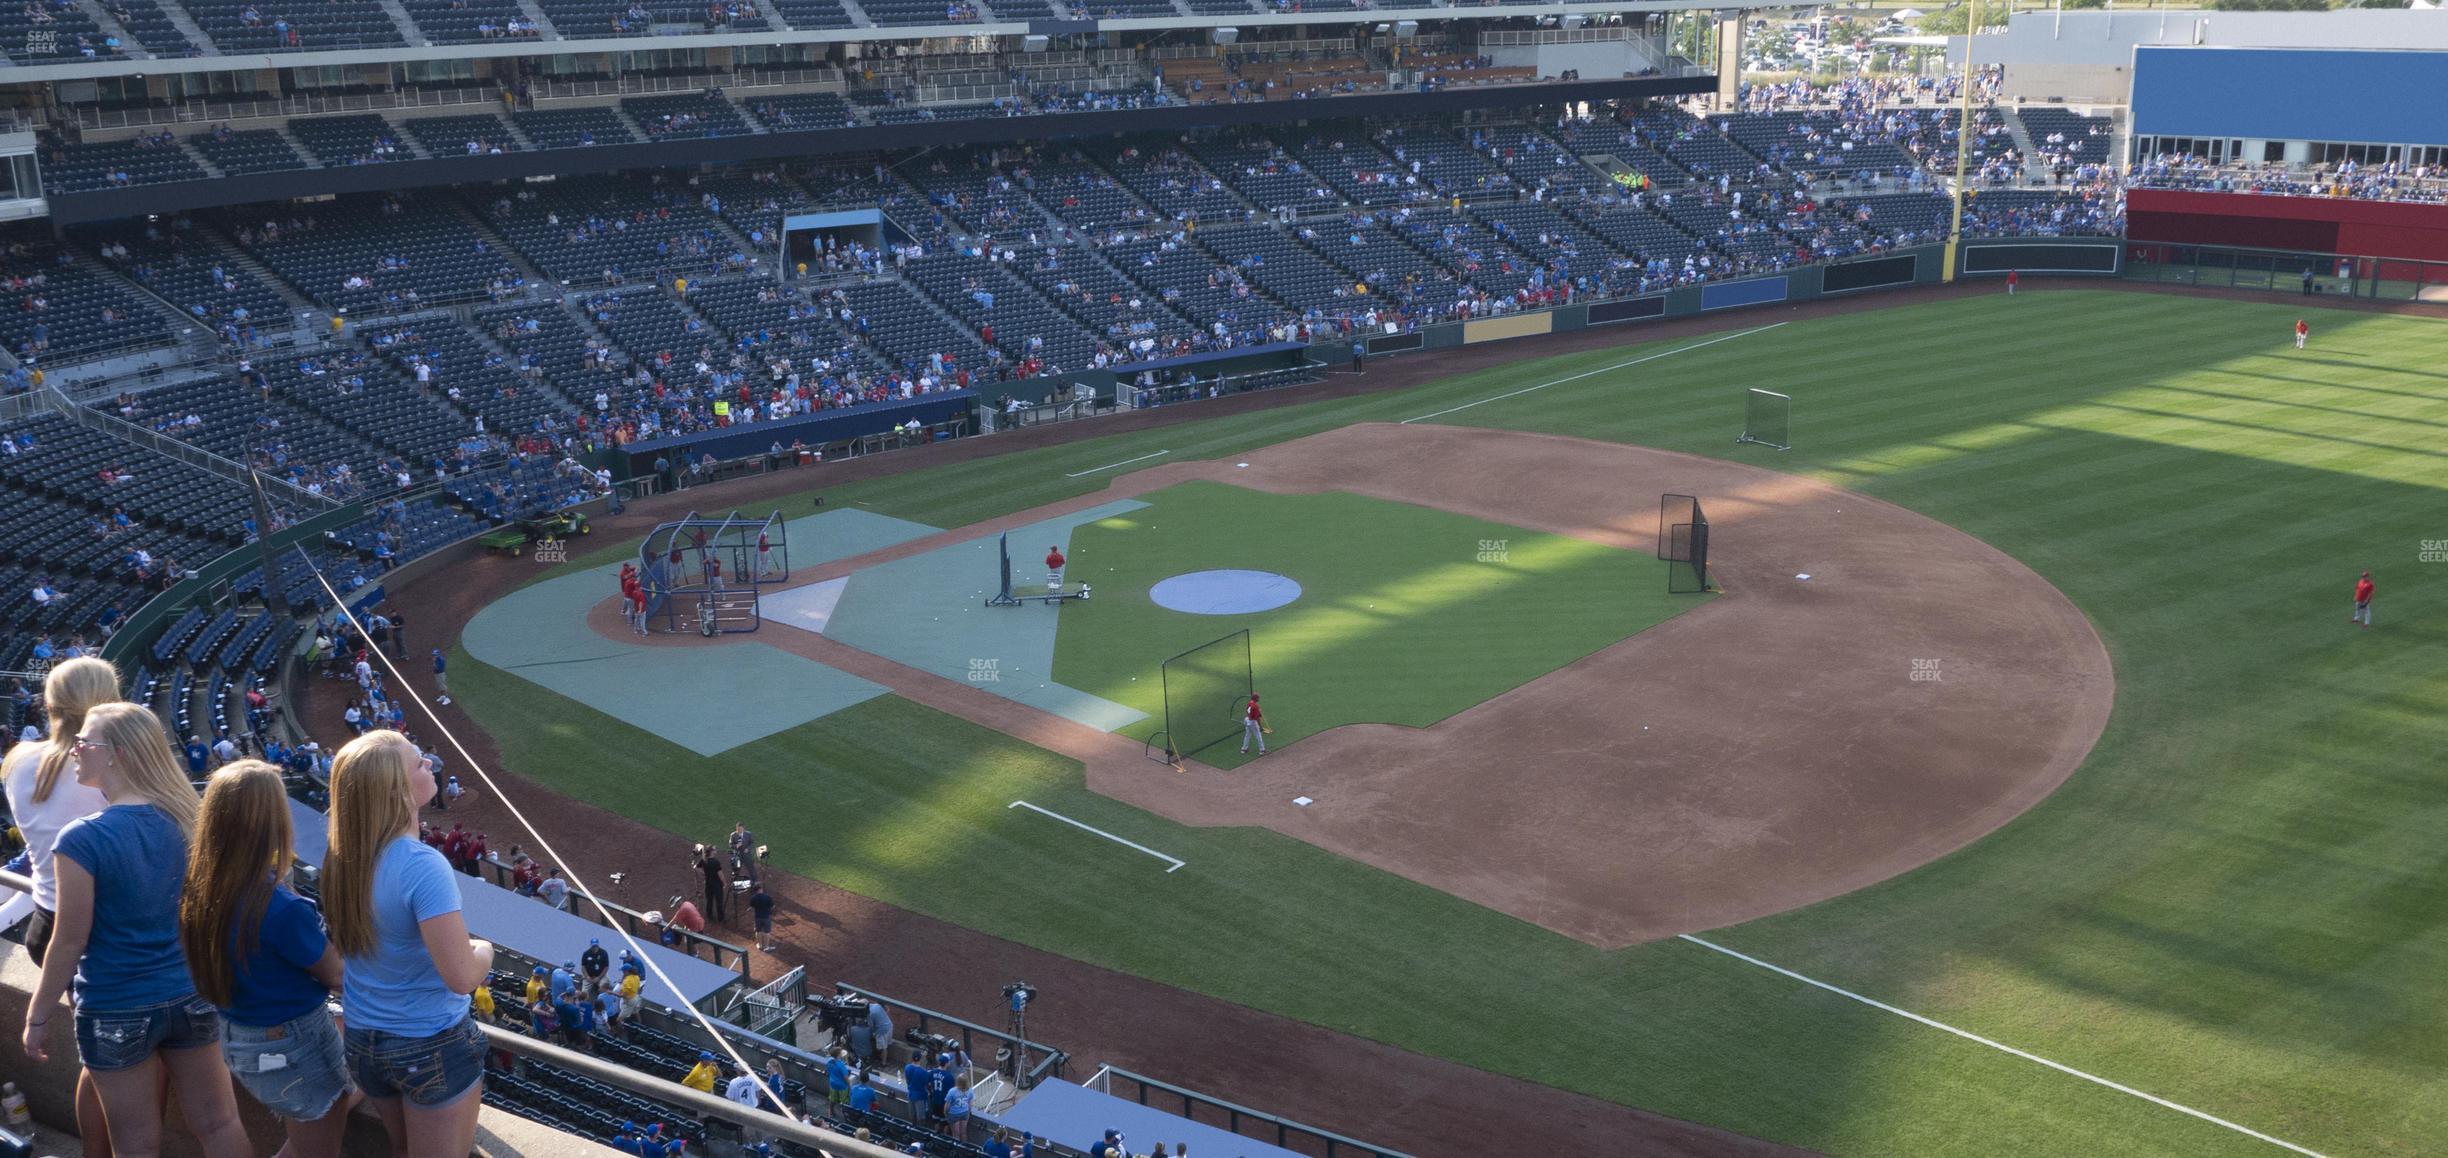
column 1284, row 1130
column 1013, row 1053
column 632, row 921
column 192, row 455
column 1555, row 36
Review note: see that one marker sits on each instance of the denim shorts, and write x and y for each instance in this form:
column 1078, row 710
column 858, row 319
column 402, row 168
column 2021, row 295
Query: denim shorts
column 296, row 1069
column 428, row 1071
column 118, row 1039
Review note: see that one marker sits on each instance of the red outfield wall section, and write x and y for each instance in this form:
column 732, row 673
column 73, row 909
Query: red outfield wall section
column 2401, row 229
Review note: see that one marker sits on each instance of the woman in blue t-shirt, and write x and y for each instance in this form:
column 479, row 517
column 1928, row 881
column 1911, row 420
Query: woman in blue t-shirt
column 407, row 962
column 137, row 1012
column 257, row 952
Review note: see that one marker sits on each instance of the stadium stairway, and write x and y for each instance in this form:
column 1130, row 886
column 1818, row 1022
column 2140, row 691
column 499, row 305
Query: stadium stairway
column 535, row 12
column 407, row 140
column 2034, row 170
column 408, row 30
column 110, row 26
column 499, row 244
column 186, row 26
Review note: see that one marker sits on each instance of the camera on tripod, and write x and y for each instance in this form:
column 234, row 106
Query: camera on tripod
column 932, row 1045
column 1019, row 994
column 835, row 1015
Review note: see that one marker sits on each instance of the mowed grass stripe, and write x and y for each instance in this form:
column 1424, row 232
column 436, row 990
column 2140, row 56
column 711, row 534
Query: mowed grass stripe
column 2236, row 903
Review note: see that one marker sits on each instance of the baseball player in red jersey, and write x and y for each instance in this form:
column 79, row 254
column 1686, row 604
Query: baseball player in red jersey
column 2012, row 279
column 2303, row 329
column 1253, row 726
column 1054, row 566
column 2363, row 598
column 765, row 563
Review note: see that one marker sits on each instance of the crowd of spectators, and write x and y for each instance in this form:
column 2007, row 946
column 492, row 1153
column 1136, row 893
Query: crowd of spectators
column 2389, row 181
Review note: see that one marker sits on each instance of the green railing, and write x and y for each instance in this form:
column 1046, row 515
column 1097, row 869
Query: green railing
column 137, row 635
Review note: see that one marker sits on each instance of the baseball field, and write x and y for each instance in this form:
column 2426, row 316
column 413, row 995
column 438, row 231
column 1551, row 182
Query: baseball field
column 2216, row 929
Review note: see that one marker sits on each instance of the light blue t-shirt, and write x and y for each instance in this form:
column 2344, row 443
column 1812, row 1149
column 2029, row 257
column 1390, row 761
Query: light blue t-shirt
column 138, row 859
column 395, row 988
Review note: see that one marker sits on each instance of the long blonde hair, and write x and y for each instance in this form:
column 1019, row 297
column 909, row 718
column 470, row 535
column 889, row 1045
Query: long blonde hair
column 369, row 809
column 73, row 688
column 147, row 768
column 242, row 846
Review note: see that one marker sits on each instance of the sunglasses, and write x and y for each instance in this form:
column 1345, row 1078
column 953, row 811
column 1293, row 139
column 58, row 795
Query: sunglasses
column 82, row 743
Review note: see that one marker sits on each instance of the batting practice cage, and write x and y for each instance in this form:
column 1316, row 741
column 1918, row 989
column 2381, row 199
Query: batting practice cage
column 1767, row 419
column 704, row 574
column 1682, row 541
column 1206, row 696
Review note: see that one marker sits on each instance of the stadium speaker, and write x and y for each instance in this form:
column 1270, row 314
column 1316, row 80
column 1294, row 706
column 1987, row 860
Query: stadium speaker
column 1034, row 43
column 1225, row 35
column 1406, row 28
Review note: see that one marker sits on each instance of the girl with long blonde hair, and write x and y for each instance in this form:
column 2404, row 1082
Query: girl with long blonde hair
column 258, row 953
column 44, row 797
column 407, row 962
column 137, row 1012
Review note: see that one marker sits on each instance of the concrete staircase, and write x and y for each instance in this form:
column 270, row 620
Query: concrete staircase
column 111, row 27
column 408, row 30
column 535, row 12
column 2034, row 172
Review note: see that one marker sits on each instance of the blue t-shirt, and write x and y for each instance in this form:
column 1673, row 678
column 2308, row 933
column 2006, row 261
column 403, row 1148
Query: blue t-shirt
column 837, row 1074
column 275, row 985
column 914, row 1079
column 862, row 1098
column 138, row 859
column 395, row 988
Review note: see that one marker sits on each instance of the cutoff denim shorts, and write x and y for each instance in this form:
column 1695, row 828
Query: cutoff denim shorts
column 428, row 1071
column 118, row 1039
column 296, row 1069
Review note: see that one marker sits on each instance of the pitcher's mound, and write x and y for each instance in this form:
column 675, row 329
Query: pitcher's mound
column 1225, row 592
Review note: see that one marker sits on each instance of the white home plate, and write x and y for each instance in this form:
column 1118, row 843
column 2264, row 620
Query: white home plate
column 809, row 608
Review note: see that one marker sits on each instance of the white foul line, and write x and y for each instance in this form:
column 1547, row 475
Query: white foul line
column 1599, row 370
column 1124, row 462
column 2001, row 1046
column 1177, row 862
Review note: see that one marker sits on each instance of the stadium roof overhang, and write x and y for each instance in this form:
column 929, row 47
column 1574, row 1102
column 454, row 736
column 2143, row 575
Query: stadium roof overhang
column 243, row 62
column 109, row 204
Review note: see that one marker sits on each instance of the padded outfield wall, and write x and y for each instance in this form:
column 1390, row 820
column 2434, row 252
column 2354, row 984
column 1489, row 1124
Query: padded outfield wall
column 2406, row 230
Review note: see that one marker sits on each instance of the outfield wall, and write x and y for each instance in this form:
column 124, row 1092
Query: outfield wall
column 1895, row 269
column 2405, row 230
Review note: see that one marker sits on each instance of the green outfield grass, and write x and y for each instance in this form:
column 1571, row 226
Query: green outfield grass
column 2239, row 903
column 1406, row 615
